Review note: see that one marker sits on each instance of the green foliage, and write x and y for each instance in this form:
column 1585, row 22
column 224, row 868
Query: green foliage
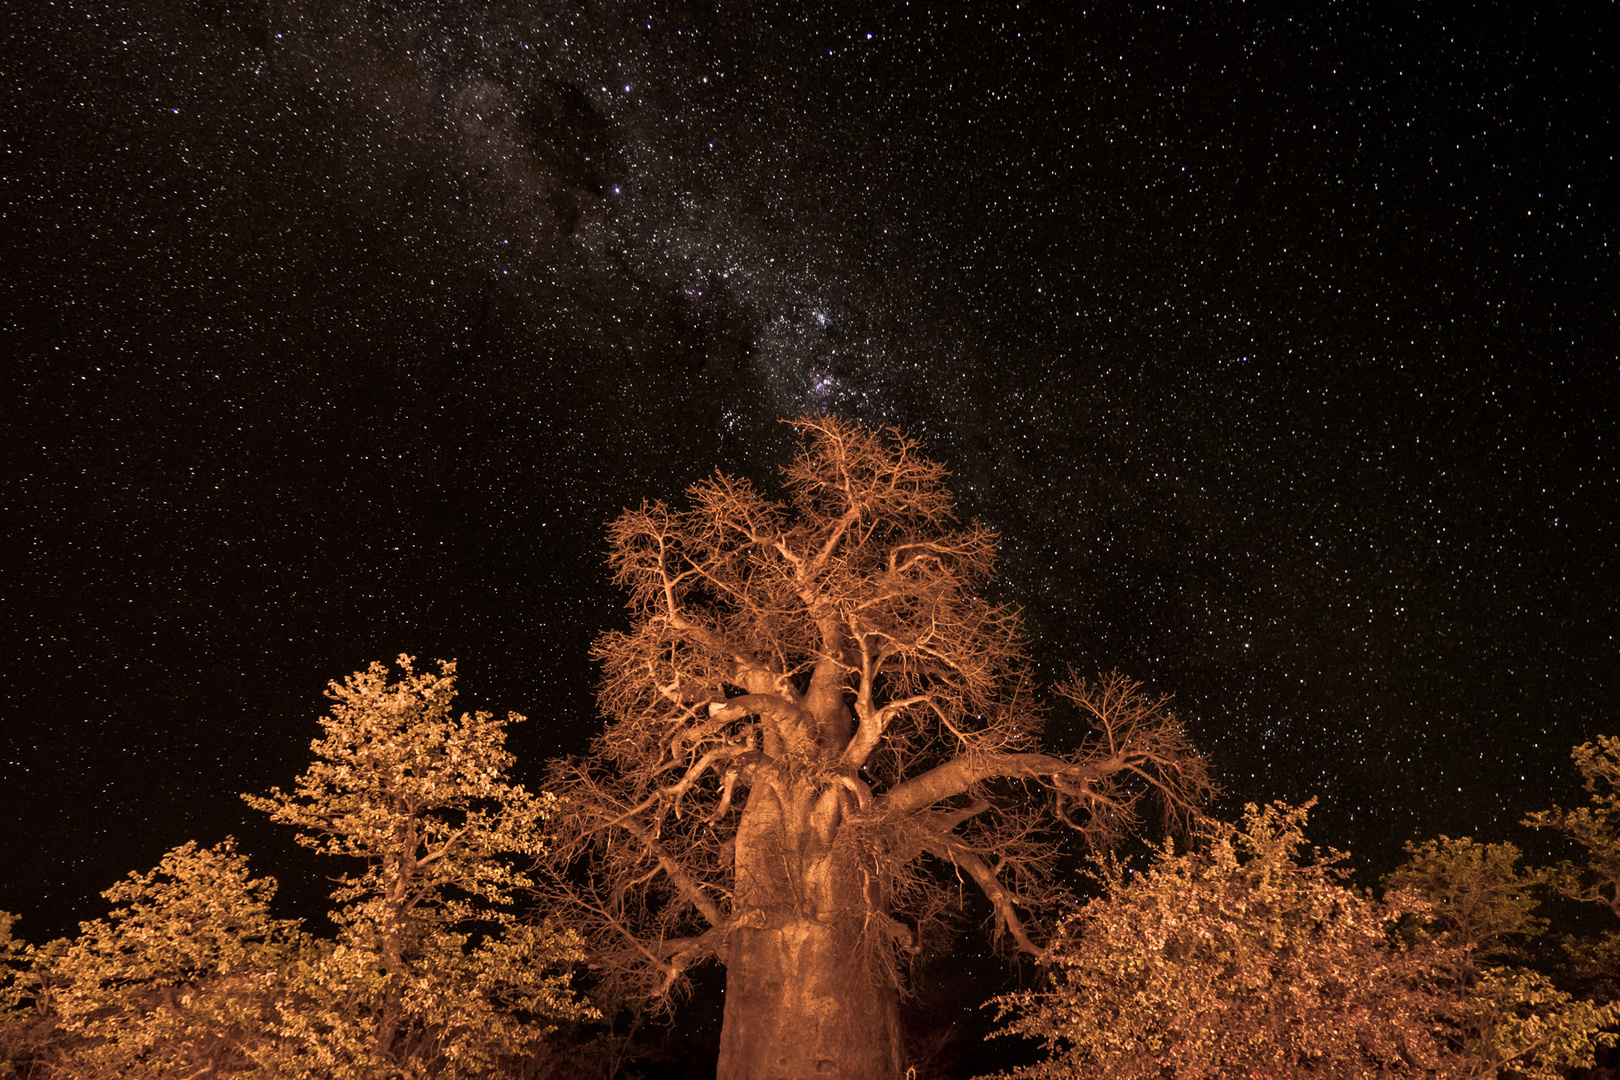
column 1242, row 958
column 432, row 972
column 1478, row 896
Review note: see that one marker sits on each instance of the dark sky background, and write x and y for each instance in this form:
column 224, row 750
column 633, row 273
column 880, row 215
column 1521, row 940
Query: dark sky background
column 1281, row 345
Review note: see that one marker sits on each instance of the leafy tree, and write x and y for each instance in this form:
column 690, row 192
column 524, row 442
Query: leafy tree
column 1248, row 957
column 1511, row 1017
column 13, row 963
column 818, row 729
column 27, row 1028
column 181, row 979
column 1242, row 958
column 1595, row 827
column 1515, row 1020
column 432, row 973
column 1478, row 896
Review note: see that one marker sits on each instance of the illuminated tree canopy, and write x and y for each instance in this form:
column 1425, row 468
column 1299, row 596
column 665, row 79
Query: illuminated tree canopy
column 817, row 727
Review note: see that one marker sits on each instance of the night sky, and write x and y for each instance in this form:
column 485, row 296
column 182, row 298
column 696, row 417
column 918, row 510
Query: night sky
column 1281, row 347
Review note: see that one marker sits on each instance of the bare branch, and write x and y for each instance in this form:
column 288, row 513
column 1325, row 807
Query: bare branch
column 811, row 697
column 689, row 888
column 960, row 775
column 1004, row 901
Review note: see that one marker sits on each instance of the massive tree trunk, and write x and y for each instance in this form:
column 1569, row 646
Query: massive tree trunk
column 807, row 995
column 814, row 697
column 800, row 1005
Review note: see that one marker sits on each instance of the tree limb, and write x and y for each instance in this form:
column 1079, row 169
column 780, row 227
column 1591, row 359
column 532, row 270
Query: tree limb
column 958, row 775
column 683, row 882
column 949, row 848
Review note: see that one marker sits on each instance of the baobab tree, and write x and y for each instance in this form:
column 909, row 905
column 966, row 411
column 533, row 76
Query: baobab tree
column 818, row 731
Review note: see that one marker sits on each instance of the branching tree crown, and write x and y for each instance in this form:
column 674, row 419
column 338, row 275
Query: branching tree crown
column 183, row 977
column 816, row 719
column 14, row 957
column 1479, row 896
column 433, row 971
column 1595, row 827
column 1243, row 957
column 1249, row 955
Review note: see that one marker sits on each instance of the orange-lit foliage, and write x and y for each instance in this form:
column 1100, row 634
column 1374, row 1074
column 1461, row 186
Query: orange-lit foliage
column 1479, row 897
column 1595, row 826
column 432, row 973
column 1248, row 957
column 1239, row 959
column 185, row 977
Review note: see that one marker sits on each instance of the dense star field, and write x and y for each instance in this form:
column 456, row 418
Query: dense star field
column 1280, row 347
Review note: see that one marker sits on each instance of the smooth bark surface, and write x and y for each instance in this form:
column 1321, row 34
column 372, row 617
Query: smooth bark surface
column 818, row 729
column 800, row 1006
column 804, row 996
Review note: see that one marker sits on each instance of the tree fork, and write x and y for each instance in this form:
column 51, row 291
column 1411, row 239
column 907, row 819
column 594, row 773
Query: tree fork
column 812, row 699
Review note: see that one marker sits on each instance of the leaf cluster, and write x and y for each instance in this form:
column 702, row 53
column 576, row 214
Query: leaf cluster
column 1595, row 826
column 1479, row 897
column 1251, row 955
column 1246, row 956
column 418, row 794
column 433, row 971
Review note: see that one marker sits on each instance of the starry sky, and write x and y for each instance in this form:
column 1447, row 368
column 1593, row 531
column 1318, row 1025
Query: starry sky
column 1280, row 345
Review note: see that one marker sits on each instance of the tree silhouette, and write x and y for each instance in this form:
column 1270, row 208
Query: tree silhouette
column 818, row 730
